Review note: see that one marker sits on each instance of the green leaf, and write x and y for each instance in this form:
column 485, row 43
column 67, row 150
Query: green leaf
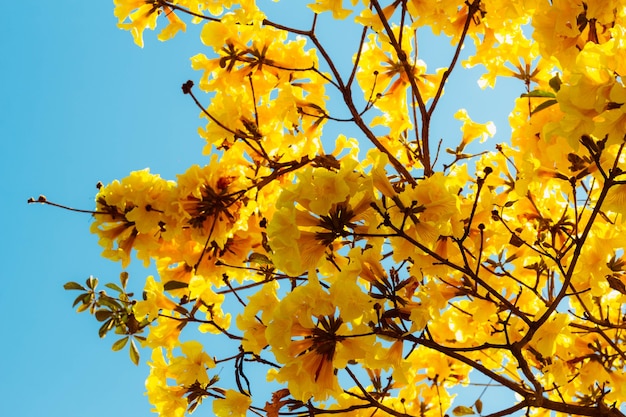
column 73, row 286
column 104, row 329
column 119, row 345
column 544, row 105
column 107, row 301
column 174, row 285
column 83, row 298
column 102, row 315
column 114, row 287
column 259, row 258
column 92, row 282
column 539, row 93
column 82, row 308
column 462, row 410
column 134, row 352
column 124, row 278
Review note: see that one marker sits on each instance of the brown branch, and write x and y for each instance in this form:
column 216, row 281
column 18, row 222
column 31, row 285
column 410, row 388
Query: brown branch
column 580, row 243
column 371, row 399
column 43, row 200
column 472, row 363
column 466, row 270
column 509, row 411
column 408, row 69
column 357, row 59
column 600, row 410
column 347, row 97
column 605, row 336
column 472, row 9
column 163, row 3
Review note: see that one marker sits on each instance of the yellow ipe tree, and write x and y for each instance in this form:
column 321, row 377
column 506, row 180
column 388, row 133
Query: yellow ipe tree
column 377, row 275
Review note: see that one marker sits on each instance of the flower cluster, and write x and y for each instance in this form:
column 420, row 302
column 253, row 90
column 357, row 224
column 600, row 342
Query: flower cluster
column 376, row 277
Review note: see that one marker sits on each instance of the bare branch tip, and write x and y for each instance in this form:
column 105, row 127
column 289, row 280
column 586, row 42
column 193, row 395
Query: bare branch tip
column 41, row 199
column 187, row 86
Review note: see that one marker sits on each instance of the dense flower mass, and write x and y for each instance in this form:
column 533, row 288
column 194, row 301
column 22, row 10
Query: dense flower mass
column 383, row 273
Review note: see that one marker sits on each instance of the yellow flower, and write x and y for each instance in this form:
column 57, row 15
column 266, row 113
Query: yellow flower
column 311, row 341
column 334, row 6
column 175, row 24
column 612, row 122
column 131, row 213
column 429, row 210
column 615, row 200
column 201, row 289
column 192, row 367
column 352, row 300
column 379, row 175
column 155, row 301
column 331, row 208
column 144, row 16
column 138, row 15
column 436, row 365
column 554, row 331
column 211, row 200
column 556, row 31
column 167, row 400
column 163, row 332
column 265, row 301
column 385, row 83
column 472, row 130
column 234, row 404
column 593, row 374
column 563, row 28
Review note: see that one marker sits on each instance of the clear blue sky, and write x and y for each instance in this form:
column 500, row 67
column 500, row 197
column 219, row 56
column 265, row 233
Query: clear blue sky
column 80, row 103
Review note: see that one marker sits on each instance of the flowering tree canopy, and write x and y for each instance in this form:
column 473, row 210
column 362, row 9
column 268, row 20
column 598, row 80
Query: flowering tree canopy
column 378, row 274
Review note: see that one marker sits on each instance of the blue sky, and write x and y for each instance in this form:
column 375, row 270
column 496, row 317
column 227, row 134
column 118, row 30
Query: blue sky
column 81, row 104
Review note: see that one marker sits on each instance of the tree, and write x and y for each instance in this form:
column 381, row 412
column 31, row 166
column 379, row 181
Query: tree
column 374, row 274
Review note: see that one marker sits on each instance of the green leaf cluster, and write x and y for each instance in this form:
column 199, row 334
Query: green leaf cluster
column 115, row 312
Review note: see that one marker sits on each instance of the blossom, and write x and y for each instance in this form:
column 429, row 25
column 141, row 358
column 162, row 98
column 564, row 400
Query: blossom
column 472, row 130
column 553, row 332
column 167, row 400
column 234, row 404
column 130, row 214
column 335, row 266
column 191, row 367
column 211, row 200
column 333, row 6
column 422, row 209
column 141, row 15
column 138, row 15
column 164, row 332
column 155, row 301
column 312, row 341
column 264, row 302
column 175, row 24
column 331, row 207
column 387, row 85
